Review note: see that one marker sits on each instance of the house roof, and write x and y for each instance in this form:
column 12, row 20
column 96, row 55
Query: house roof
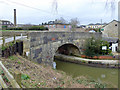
column 110, row 39
column 97, row 24
column 5, row 20
column 91, row 24
column 57, row 24
column 111, row 22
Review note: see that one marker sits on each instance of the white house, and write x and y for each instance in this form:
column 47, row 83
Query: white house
column 113, row 43
column 5, row 23
column 95, row 26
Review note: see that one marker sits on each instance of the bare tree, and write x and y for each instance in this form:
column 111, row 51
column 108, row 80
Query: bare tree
column 61, row 20
column 74, row 23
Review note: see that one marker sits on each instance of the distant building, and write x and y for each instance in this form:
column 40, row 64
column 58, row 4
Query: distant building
column 25, row 25
column 95, row 26
column 53, row 25
column 82, row 26
column 57, row 25
column 111, row 29
column 4, row 24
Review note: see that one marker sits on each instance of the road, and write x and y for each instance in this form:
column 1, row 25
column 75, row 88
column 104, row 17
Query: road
column 11, row 39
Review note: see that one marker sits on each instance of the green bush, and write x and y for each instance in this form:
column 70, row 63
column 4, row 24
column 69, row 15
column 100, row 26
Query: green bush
column 11, row 44
column 3, row 47
column 93, row 47
column 6, row 45
column 99, row 85
column 13, row 58
column 25, row 77
column 14, row 28
column 83, row 61
column 5, row 78
column 28, row 28
column 1, row 72
column 37, row 28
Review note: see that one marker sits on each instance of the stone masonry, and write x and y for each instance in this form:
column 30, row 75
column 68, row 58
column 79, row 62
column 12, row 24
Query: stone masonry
column 43, row 45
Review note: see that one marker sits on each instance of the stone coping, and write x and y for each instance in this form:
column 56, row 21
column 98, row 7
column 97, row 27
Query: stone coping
column 48, row 31
column 111, row 62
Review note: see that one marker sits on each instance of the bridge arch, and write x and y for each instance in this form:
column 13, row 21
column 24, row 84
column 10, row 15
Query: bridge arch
column 68, row 49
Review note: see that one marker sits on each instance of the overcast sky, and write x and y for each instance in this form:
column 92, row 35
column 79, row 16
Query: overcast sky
column 38, row 11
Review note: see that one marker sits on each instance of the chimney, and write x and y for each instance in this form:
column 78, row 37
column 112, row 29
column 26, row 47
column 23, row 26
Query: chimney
column 14, row 17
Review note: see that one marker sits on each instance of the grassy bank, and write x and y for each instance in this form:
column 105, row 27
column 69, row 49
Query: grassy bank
column 39, row 76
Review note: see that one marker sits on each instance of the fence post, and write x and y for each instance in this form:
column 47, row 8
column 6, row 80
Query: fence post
column 3, row 84
column 27, row 35
column 9, row 76
column 17, row 76
column 3, row 41
column 14, row 39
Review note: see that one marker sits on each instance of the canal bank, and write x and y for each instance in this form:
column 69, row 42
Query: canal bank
column 89, row 62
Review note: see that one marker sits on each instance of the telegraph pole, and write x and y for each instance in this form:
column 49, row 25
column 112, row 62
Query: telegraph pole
column 101, row 21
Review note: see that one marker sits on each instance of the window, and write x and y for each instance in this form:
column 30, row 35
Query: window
column 115, row 24
column 5, row 23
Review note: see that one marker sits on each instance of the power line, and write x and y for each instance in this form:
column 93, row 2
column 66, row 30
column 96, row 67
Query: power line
column 27, row 6
column 35, row 8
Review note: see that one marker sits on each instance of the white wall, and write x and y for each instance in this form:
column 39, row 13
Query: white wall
column 114, row 45
column 119, row 11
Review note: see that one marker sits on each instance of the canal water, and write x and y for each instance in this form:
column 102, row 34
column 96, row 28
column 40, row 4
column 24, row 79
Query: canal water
column 103, row 75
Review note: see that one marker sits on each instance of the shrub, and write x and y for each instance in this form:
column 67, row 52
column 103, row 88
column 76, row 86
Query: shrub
column 13, row 58
column 25, row 77
column 37, row 28
column 93, row 47
column 14, row 28
column 5, row 78
column 3, row 47
column 99, row 85
column 83, row 61
column 28, row 28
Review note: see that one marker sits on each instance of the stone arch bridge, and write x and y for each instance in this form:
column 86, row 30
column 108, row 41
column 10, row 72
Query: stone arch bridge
column 44, row 45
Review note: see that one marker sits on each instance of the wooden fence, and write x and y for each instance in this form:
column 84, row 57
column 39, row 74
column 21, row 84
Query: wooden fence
column 12, row 50
column 9, row 77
